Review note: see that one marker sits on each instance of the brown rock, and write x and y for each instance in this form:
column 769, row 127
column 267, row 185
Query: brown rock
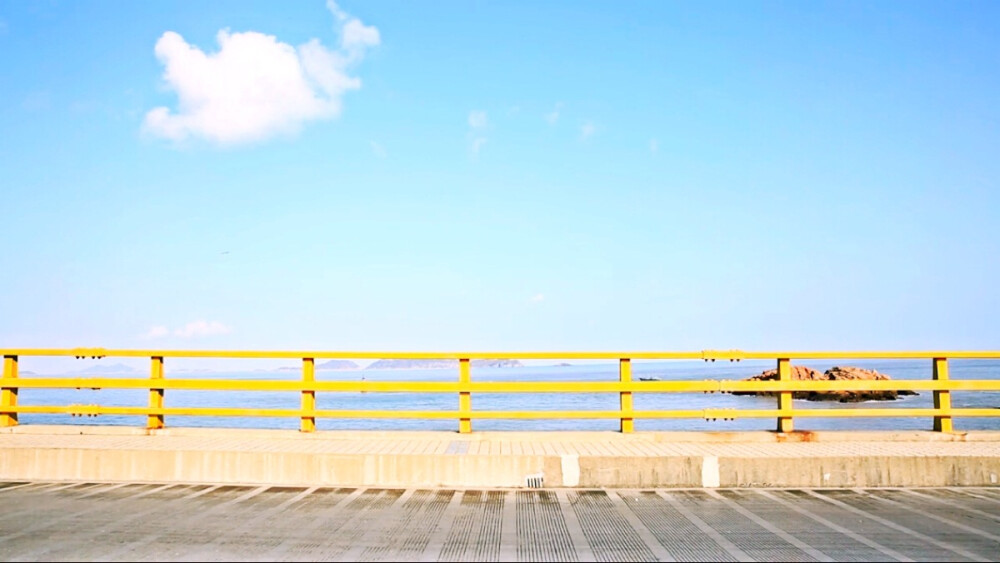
column 800, row 373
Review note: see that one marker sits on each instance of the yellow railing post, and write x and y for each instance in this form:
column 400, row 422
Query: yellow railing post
column 308, row 395
column 942, row 399
column 8, row 395
column 625, row 398
column 464, row 397
column 154, row 421
column 785, row 397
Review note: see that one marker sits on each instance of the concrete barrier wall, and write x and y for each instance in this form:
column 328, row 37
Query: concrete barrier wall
column 912, row 459
column 870, row 471
column 377, row 470
column 386, row 470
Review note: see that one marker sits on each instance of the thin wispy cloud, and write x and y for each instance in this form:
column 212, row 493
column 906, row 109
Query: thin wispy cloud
column 156, row 332
column 477, row 119
column 3, row 27
column 477, row 145
column 587, row 130
column 654, row 146
column 36, row 101
column 255, row 86
column 192, row 329
column 202, row 328
column 553, row 116
column 378, row 150
column 537, row 298
column 82, row 106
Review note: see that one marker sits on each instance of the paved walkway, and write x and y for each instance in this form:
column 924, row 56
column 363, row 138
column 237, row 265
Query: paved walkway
column 42, row 521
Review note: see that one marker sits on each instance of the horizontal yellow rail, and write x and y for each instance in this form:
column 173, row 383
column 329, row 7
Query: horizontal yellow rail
column 96, row 410
column 708, row 386
column 784, row 388
column 486, row 355
column 359, row 355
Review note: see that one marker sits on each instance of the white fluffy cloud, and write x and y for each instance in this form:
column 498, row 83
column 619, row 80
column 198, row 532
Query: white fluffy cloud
column 354, row 35
column 255, row 86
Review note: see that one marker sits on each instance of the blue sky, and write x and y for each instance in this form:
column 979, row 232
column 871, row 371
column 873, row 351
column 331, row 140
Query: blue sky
column 500, row 175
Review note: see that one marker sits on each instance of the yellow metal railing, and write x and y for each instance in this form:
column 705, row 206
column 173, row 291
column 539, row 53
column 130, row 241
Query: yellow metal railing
column 157, row 385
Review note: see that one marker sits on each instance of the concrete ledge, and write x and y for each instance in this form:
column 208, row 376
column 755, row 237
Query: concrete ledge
column 849, row 472
column 500, row 459
column 752, row 436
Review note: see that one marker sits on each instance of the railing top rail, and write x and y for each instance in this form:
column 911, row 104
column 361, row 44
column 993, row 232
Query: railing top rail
column 503, row 355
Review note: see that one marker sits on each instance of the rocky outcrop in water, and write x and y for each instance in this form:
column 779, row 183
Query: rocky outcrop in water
column 802, row 373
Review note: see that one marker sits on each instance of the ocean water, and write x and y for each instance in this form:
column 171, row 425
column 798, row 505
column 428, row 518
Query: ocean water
column 664, row 370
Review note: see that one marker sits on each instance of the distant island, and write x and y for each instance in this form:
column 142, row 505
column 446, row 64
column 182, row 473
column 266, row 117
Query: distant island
column 441, row 364
column 332, row 365
column 563, row 365
column 114, row 369
column 337, row 365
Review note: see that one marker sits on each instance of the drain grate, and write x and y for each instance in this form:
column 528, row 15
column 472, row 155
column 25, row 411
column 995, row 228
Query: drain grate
column 536, row 481
column 475, row 531
column 678, row 535
column 542, row 534
column 610, row 535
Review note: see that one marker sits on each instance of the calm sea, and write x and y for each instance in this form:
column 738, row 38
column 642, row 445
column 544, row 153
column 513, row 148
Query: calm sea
column 675, row 371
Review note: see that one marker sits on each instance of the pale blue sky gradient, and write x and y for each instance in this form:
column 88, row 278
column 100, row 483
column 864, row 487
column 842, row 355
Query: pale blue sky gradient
column 650, row 175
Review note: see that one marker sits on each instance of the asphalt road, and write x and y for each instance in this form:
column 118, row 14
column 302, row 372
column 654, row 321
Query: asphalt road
column 204, row 522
